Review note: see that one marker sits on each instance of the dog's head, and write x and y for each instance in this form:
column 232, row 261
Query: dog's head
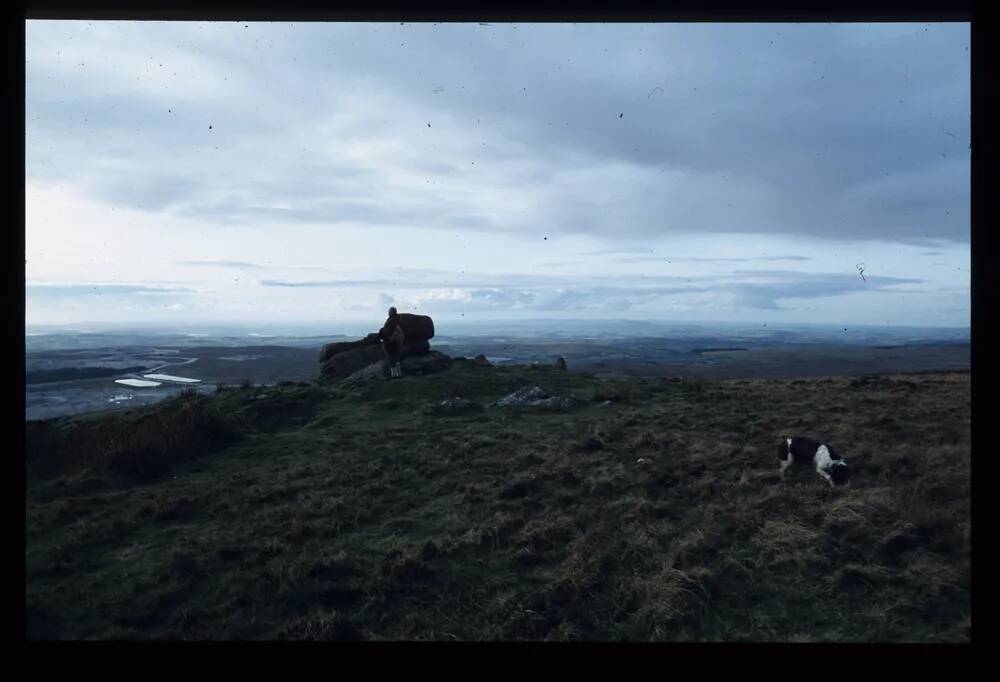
column 840, row 472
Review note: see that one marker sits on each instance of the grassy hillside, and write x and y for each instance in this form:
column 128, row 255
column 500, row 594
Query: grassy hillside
column 321, row 512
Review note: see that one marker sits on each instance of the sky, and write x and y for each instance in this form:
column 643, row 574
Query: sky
column 209, row 172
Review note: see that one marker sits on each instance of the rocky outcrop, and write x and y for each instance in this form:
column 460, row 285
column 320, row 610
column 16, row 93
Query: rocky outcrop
column 416, row 327
column 561, row 364
column 372, row 372
column 433, row 361
column 411, row 348
column 363, row 359
column 337, row 347
column 350, row 361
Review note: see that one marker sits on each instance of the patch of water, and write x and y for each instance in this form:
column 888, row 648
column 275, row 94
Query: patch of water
column 138, row 383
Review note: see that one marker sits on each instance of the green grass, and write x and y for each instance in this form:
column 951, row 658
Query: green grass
column 318, row 512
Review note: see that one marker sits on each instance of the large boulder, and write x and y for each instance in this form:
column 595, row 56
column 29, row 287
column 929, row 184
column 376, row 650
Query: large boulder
column 350, row 361
column 337, row 347
column 419, row 347
column 433, row 361
column 373, row 372
column 416, row 327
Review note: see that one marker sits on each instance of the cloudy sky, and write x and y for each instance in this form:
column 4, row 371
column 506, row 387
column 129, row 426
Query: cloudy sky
column 316, row 172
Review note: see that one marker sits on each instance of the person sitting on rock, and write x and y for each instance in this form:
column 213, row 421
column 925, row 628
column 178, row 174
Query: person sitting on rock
column 391, row 335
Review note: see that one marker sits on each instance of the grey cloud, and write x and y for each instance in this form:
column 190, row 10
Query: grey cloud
column 243, row 265
column 83, row 290
column 614, row 252
column 145, row 192
column 768, row 294
column 806, row 111
column 322, row 283
column 756, row 285
column 762, row 290
column 793, row 275
column 835, row 131
column 560, row 263
column 754, row 258
column 442, row 280
column 692, row 259
column 617, row 298
column 608, row 298
column 320, row 211
column 426, row 278
column 503, row 298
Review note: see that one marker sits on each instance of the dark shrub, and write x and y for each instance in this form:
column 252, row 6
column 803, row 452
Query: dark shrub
column 176, row 430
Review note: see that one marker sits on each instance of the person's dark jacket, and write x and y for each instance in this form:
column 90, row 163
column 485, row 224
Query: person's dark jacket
column 385, row 333
column 390, row 347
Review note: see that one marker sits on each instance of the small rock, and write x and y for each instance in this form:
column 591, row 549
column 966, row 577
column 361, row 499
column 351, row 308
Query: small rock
column 532, row 396
column 455, row 406
column 523, row 396
column 561, row 364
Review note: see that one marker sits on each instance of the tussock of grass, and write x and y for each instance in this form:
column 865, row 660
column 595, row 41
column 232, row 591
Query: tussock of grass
column 141, row 445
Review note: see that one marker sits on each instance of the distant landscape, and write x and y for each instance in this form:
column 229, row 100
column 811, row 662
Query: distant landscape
column 642, row 503
column 72, row 372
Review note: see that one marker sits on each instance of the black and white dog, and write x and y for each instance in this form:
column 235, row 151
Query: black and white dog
column 829, row 465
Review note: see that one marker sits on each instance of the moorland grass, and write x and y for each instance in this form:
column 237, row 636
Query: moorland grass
column 324, row 512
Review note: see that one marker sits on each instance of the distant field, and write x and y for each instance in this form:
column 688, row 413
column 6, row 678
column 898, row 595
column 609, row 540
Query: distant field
column 703, row 351
column 75, row 374
column 795, row 362
column 636, row 357
column 210, row 364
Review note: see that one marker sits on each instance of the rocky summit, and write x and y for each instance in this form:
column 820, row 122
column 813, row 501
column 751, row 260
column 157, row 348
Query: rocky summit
column 362, row 359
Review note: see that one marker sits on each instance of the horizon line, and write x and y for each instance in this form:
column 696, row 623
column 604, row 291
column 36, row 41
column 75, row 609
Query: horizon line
column 475, row 322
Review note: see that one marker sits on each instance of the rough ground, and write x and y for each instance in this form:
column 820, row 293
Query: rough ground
column 322, row 512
